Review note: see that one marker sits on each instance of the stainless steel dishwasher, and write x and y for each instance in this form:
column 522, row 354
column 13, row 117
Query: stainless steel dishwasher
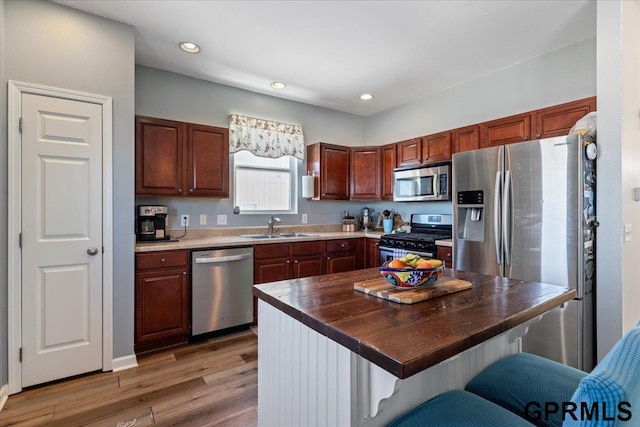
column 221, row 289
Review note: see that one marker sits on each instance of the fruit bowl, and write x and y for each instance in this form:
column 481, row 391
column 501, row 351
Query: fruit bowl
column 411, row 278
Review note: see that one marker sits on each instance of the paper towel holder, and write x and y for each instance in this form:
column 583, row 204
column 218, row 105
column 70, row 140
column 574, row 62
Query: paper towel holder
column 308, row 185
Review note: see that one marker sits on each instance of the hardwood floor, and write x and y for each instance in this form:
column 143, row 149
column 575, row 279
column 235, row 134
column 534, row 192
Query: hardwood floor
column 213, row 383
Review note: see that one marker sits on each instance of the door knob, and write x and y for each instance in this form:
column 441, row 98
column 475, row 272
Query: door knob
column 92, row 251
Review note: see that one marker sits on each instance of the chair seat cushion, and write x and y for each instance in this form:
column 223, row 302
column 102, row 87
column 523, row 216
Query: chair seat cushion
column 458, row 408
column 523, row 383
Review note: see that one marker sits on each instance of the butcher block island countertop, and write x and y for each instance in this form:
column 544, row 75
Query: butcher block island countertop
column 407, row 339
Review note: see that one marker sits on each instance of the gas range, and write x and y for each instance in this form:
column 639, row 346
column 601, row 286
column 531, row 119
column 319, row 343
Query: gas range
column 425, row 230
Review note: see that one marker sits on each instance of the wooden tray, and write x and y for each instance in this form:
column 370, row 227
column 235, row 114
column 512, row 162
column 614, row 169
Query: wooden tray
column 382, row 289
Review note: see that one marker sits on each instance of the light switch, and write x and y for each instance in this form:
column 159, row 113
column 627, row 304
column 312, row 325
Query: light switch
column 222, row 220
column 627, row 232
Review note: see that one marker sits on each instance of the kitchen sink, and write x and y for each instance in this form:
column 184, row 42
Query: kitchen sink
column 262, row 236
column 276, row 236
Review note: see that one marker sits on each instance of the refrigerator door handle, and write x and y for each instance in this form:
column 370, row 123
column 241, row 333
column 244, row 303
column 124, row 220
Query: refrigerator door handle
column 506, row 218
column 496, row 215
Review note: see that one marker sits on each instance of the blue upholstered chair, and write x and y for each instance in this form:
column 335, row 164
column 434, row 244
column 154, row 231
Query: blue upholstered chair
column 526, row 390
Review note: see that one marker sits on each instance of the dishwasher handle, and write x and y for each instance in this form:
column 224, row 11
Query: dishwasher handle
column 220, row 259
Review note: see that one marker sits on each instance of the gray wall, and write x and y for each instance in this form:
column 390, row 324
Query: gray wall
column 57, row 46
column 560, row 76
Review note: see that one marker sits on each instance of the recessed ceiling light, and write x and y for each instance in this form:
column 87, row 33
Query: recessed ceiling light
column 189, row 47
column 278, row 85
column 366, row 96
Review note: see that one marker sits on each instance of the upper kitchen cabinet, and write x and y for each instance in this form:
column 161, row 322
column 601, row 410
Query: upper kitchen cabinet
column 331, row 164
column 559, row 119
column 181, row 159
column 436, row 147
column 465, row 139
column 388, row 164
column 409, row 152
column 159, row 157
column 366, row 173
column 505, row 131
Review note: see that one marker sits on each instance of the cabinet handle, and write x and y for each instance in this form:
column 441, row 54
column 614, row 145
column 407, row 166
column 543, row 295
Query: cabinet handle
column 162, row 260
column 538, row 135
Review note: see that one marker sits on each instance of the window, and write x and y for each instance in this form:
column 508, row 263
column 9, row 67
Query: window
column 264, row 185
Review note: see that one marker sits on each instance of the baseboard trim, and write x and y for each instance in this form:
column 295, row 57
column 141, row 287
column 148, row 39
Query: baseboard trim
column 124, row 362
column 4, row 395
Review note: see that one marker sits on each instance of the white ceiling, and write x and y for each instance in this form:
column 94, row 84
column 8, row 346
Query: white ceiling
column 329, row 52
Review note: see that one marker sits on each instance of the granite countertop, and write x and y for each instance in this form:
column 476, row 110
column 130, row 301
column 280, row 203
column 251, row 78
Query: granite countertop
column 406, row 339
column 445, row 242
column 230, row 237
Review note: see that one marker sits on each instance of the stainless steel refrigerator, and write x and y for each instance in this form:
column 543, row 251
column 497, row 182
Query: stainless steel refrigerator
column 527, row 211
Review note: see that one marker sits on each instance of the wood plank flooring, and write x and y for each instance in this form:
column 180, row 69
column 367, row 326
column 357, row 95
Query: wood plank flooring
column 212, row 383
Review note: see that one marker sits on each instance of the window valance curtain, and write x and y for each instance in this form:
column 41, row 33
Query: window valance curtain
column 265, row 138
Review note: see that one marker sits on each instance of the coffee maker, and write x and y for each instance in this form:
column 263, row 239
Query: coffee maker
column 152, row 223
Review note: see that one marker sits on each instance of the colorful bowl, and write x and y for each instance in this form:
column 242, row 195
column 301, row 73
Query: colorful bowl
column 409, row 278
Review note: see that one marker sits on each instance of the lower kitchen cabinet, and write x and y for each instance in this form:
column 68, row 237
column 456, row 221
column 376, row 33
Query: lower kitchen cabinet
column 283, row 261
column 345, row 255
column 445, row 253
column 372, row 253
column 161, row 299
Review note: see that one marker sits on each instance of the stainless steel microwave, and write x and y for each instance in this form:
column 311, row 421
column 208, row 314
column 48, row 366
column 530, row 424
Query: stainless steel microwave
column 422, row 183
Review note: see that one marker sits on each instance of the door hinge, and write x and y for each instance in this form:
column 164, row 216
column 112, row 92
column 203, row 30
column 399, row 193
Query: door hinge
column 20, row 125
column 20, row 239
column 20, row 354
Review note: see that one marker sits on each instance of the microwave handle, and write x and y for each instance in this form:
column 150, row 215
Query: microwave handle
column 436, row 184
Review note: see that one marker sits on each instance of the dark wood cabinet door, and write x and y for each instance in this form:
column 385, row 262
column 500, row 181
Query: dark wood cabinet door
column 436, row 147
column 559, row 119
column 305, row 266
column 445, row 254
column 162, row 306
column 465, row 139
column 159, row 157
column 409, row 152
column 388, row 164
column 366, row 173
column 271, row 270
column 341, row 262
column 505, row 131
column 208, row 161
column 372, row 253
column 334, row 174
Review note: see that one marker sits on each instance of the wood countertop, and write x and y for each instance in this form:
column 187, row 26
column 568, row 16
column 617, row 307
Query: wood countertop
column 406, row 339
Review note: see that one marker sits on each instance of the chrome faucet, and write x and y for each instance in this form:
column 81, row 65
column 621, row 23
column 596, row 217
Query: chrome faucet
column 271, row 222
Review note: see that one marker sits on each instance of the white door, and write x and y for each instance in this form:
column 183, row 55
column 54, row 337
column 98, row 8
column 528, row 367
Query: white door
column 61, row 238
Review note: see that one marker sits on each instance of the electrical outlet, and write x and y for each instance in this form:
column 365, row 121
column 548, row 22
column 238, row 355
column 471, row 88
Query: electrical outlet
column 203, row 219
column 304, row 218
column 184, row 220
column 222, row 220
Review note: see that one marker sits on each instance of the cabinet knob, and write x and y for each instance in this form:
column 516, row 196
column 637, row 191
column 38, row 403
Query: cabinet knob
column 163, row 260
column 524, row 138
column 342, row 245
column 295, row 261
column 288, row 262
column 328, row 257
column 538, row 135
column 184, row 273
column 191, row 190
column 179, row 190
